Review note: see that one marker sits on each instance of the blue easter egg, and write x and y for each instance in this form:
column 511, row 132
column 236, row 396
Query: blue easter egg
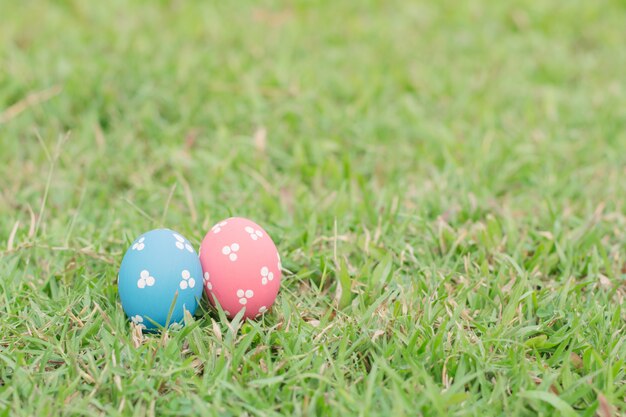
column 159, row 264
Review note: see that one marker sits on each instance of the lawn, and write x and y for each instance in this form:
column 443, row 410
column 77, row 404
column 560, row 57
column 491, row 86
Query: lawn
column 445, row 182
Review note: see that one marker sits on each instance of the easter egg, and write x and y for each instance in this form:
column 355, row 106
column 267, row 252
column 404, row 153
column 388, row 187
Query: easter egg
column 241, row 266
column 160, row 265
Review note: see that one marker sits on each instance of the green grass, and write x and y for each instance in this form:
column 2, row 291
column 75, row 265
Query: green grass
column 459, row 166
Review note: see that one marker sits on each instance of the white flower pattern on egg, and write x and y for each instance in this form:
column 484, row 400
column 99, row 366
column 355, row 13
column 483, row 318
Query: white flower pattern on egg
column 138, row 321
column 266, row 275
column 188, row 281
column 207, row 282
column 254, row 234
column 244, row 296
column 181, row 243
column 145, row 279
column 230, row 251
column 218, row 227
column 139, row 245
column 262, row 310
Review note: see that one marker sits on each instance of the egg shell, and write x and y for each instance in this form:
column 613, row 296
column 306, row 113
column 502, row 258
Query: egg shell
column 158, row 265
column 241, row 266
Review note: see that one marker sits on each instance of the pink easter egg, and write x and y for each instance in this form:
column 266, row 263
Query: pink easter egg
column 241, row 267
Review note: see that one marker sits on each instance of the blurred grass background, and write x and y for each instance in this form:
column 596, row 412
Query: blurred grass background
column 460, row 165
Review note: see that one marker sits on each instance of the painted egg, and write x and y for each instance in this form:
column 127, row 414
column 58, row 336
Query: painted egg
column 241, row 267
column 159, row 265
